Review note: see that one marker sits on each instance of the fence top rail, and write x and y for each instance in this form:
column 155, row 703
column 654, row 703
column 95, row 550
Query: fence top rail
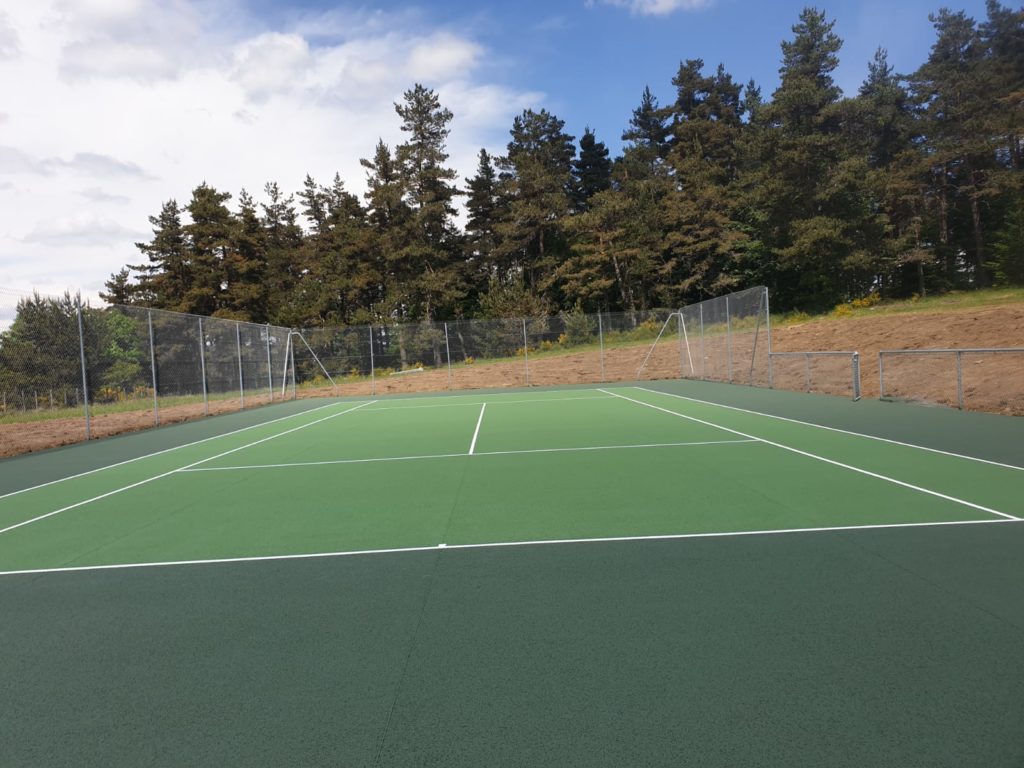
column 951, row 351
column 831, row 353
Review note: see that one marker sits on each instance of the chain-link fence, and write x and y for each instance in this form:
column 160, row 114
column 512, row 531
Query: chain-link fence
column 825, row 373
column 69, row 371
column 960, row 378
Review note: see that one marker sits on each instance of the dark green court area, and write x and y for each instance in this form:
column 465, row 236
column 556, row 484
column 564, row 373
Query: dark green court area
column 669, row 575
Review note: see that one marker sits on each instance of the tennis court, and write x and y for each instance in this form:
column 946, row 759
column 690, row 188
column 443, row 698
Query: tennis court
column 677, row 573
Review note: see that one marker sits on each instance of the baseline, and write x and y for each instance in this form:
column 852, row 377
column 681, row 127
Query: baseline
column 499, row 544
column 825, row 460
column 77, row 504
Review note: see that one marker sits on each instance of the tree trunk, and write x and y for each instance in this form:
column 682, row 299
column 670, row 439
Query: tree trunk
column 981, row 274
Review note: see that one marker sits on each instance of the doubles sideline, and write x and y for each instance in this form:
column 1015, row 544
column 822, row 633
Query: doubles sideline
column 180, row 469
column 816, row 457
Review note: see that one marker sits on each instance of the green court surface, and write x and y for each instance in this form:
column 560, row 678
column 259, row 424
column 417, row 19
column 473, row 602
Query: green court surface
column 670, row 574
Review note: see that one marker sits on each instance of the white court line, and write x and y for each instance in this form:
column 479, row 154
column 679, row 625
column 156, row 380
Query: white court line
column 816, row 457
column 332, row 462
column 476, row 432
column 410, row 398
column 483, row 402
column 834, row 429
column 499, row 545
column 174, row 471
column 165, row 450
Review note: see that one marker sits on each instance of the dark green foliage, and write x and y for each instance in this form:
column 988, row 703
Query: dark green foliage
column 913, row 184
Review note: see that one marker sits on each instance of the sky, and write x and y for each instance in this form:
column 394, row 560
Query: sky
column 109, row 108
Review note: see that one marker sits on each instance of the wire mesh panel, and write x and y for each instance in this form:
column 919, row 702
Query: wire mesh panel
column 120, row 375
column 827, row 373
column 960, row 378
column 630, row 337
column 730, row 337
column 487, row 353
column 252, row 344
column 410, row 358
column 564, row 349
column 985, row 384
column 220, row 350
column 343, row 353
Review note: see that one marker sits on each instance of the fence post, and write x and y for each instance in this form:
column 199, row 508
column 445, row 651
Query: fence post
column 728, row 336
column 881, row 376
column 703, row 356
column 238, row 344
column 807, row 373
column 448, row 355
column 679, row 318
column 526, row 353
column 270, row 367
column 85, row 377
column 856, row 376
column 202, row 368
column 768, row 333
column 373, row 374
column 291, row 352
column 959, row 380
column 152, row 365
column 600, row 337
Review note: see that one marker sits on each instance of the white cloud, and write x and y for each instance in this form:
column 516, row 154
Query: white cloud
column 99, row 195
column 10, row 46
column 80, row 230
column 145, row 99
column 656, row 7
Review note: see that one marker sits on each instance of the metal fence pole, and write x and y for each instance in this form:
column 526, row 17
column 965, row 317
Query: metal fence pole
column 526, row 353
column 85, row 377
column 728, row 336
column 807, row 373
column 959, row 380
column 295, row 394
column 600, row 337
column 202, row 368
column 238, row 344
column 152, row 365
column 448, row 355
column 270, row 367
column 856, row 376
column 768, row 332
column 679, row 318
column 703, row 356
column 373, row 374
column 881, row 376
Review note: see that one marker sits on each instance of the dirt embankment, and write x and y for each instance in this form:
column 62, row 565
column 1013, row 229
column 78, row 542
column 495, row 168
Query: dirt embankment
column 991, row 382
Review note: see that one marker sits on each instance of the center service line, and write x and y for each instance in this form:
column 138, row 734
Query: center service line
column 476, row 433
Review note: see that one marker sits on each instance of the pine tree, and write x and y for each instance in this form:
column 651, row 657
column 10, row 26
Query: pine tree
column 431, row 252
column 483, row 210
column 244, row 286
column 593, row 170
column 209, row 243
column 119, row 288
column 536, row 178
column 166, row 278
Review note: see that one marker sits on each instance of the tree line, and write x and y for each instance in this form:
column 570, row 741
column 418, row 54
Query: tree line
column 913, row 185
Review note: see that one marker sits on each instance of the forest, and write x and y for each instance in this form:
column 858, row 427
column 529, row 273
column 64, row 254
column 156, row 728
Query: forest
column 912, row 185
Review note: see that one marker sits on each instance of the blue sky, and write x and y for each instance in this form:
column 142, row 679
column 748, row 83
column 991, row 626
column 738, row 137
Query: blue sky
column 112, row 107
